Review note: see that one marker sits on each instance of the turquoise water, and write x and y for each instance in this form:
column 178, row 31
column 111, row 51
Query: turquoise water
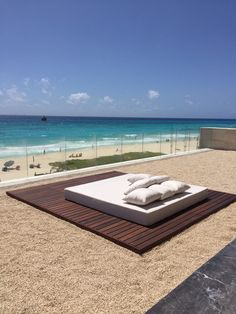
column 19, row 132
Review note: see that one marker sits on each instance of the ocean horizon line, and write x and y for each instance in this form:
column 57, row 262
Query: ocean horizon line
column 114, row 117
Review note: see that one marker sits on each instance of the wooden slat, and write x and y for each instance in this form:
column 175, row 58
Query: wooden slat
column 138, row 238
column 169, row 233
column 175, row 220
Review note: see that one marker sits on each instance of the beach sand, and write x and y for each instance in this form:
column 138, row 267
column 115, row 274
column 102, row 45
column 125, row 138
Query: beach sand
column 50, row 266
column 48, row 157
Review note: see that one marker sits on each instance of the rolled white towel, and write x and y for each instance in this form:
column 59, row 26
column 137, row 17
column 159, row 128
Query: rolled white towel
column 138, row 176
column 142, row 196
column 144, row 183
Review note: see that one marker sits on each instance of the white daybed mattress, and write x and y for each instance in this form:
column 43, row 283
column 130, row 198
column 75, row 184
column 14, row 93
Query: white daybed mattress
column 106, row 195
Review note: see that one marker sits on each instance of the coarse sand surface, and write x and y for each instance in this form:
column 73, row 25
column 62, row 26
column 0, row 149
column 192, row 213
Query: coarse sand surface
column 50, row 266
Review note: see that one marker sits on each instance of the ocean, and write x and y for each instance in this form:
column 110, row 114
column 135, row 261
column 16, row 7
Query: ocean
column 19, row 134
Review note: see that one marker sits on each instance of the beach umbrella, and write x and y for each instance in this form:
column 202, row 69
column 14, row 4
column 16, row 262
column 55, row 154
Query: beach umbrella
column 9, row 163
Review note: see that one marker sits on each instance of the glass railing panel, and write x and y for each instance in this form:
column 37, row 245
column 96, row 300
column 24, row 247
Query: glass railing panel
column 108, row 146
column 151, row 143
column 42, row 159
column 25, row 159
column 132, row 143
column 80, row 151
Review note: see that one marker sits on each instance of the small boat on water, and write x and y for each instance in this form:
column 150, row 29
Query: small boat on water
column 44, row 118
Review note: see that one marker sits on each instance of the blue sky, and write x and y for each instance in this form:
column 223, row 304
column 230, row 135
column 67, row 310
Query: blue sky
column 149, row 58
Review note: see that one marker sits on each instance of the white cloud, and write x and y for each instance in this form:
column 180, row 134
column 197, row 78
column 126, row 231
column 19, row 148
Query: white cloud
column 26, row 81
column 136, row 101
column 46, row 86
column 15, row 95
column 188, row 100
column 107, row 99
column 78, row 98
column 1, row 93
column 152, row 94
column 45, row 102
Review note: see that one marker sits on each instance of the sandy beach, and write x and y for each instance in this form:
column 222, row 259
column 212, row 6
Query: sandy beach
column 50, row 266
column 44, row 159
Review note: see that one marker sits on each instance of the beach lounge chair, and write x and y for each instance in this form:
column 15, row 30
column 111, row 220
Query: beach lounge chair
column 107, row 196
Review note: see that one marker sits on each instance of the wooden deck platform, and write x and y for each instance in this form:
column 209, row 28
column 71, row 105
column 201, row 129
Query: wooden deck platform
column 50, row 198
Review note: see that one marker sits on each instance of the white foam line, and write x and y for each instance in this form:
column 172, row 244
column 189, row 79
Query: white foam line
column 68, row 173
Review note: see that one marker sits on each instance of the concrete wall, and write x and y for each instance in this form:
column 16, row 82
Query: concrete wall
column 218, row 138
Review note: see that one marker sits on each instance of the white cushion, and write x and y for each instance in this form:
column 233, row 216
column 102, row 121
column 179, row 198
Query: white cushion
column 166, row 191
column 177, row 186
column 138, row 176
column 144, row 183
column 142, row 196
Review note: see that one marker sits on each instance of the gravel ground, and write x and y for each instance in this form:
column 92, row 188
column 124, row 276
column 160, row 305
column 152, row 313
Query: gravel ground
column 50, row 266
